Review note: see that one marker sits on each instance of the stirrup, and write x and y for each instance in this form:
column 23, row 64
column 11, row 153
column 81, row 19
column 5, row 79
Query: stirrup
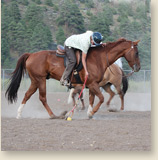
column 65, row 83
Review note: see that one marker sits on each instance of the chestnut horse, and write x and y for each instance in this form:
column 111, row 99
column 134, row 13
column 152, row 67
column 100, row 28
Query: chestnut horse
column 43, row 63
column 112, row 76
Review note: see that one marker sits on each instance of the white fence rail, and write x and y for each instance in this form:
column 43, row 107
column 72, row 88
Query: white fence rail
column 138, row 82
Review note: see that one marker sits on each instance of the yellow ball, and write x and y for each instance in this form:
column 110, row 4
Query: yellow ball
column 69, row 119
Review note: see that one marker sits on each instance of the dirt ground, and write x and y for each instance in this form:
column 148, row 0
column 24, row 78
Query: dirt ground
column 128, row 130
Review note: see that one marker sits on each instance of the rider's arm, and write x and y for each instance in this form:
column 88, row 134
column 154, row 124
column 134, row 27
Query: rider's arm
column 101, row 44
column 84, row 62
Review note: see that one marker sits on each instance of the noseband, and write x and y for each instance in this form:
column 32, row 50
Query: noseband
column 129, row 74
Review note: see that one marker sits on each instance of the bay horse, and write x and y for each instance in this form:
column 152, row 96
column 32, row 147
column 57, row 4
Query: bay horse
column 112, row 76
column 43, row 63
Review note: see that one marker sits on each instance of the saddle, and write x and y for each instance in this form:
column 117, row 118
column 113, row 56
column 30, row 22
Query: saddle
column 60, row 52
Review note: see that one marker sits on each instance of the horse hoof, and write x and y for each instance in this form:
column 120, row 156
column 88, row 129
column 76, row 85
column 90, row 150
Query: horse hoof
column 53, row 117
column 18, row 117
column 63, row 115
column 90, row 115
column 113, row 110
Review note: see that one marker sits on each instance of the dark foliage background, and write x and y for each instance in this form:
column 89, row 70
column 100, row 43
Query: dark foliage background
column 33, row 25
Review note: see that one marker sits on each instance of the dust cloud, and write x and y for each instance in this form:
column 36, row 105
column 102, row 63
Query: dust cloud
column 58, row 103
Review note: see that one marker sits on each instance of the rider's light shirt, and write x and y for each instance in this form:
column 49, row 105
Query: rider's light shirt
column 80, row 41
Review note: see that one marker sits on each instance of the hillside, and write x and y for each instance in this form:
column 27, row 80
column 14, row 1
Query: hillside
column 32, row 25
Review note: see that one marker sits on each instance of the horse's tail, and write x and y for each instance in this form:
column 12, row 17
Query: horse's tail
column 16, row 78
column 124, row 83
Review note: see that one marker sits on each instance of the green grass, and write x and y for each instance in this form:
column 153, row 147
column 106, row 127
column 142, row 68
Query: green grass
column 139, row 86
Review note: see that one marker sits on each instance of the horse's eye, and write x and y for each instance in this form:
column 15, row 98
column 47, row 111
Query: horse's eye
column 137, row 54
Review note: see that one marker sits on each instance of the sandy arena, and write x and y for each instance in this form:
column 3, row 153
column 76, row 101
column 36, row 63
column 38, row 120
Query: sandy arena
column 128, row 130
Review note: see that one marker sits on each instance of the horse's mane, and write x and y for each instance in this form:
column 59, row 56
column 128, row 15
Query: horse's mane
column 111, row 45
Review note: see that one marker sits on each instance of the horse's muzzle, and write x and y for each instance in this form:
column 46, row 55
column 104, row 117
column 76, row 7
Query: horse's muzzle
column 136, row 67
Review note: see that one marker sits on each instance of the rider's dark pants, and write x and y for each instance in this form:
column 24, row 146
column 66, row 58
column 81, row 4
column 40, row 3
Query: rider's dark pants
column 70, row 53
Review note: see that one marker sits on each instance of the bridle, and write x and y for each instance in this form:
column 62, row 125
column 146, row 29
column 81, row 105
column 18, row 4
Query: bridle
column 129, row 74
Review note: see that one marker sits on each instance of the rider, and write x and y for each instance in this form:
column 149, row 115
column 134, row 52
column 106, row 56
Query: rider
column 82, row 42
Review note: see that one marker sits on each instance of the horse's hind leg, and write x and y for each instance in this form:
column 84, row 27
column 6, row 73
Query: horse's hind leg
column 28, row 94
column 121, row 94
column 111, row 93
column 122, row 100
column 42, row 97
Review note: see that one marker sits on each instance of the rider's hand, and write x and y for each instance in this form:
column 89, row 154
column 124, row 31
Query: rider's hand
column 103, row 44
column 87, row 74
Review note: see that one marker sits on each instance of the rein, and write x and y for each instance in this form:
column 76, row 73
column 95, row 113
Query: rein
column 129, row 74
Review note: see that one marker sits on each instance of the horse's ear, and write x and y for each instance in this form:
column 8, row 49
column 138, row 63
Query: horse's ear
column 136, row 42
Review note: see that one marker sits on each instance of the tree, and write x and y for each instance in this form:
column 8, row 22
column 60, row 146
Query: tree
column 5, row 46
column 100, row 23
column 5, row 51
column 60, row 36
column 49, row 3
column 12, row 34
column 125, row 8
column 89, row 3
column 37, row 1
column 40, row 39
column 71, row 17
column 20, row 38
column 147, row 5
column 141, row 11
column 33, row 16
column 23, row 2
column 145, row 51
column 15, row 12
column 108, row 14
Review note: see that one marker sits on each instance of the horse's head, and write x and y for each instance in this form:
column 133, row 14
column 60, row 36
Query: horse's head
column 132, row 56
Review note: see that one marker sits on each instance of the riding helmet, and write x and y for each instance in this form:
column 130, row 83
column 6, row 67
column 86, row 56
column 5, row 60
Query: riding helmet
column 97, row 38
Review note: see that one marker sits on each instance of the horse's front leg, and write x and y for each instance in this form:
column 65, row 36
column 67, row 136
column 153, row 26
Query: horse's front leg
column 94, row 90
column 91, row 102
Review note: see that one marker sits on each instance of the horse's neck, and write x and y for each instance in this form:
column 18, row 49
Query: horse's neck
column 117, row 52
